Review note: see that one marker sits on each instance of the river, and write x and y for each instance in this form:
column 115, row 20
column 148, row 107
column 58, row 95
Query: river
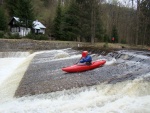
column 122, row 85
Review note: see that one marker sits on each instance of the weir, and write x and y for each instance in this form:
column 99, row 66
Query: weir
column 14, row 54
column 13, row 72
column 44, row 73
column 122, row 85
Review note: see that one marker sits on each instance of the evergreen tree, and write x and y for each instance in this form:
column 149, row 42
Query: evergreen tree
column 71, row 22
column 90, row 22
column 99, row 31
column 114, row 34
column 80, row 20
column 46, row 2
column 106, row 38
column 144, row 22
column 85, row 19
column 12, row 6
column 25, row 12
column 57, row 29
column 22, row 9
column 3, row 22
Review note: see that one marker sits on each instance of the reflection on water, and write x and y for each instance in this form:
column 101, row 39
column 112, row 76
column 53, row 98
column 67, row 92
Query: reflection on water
column 130, row 96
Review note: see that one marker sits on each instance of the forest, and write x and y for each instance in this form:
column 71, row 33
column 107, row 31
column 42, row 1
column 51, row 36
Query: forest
column 83, row 20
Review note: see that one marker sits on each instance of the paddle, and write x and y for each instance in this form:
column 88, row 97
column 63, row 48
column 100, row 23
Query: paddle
column 78, row 61
column 81, row 58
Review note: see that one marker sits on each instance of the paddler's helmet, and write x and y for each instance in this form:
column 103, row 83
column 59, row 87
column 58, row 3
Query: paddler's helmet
column 84, row 53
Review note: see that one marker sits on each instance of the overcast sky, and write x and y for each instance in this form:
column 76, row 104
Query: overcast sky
column 126, row 3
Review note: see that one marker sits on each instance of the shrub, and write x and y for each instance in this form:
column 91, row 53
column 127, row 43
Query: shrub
column 14, row 36
column 37, row 36
column 41, row 37
column 30, row 36
column 105, row 45
column 123, row 41
column 106, row 38
column 1, row 34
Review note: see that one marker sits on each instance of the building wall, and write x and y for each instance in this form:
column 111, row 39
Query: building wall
column 42, row 31
column 23, row 31
column 39, row 31
column 15, row 30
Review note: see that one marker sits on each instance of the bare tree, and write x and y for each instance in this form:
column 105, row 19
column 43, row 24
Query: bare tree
column 137, row 22
column 93, row 21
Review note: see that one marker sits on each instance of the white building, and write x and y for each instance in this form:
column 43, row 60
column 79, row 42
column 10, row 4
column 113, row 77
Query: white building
column 38, row 27
column 18, row 26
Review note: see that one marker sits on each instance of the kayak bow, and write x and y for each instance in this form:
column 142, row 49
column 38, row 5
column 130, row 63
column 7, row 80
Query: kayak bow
column 81, row 68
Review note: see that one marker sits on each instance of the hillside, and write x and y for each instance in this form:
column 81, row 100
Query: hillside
column 84, row 21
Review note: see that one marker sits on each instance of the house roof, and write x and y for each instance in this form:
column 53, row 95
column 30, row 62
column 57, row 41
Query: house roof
column 38, row 25
column 16, row 18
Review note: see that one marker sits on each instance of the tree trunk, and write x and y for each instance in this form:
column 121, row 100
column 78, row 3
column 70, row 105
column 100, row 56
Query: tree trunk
column 145, row 29
column 137, row 19
column 93, row 22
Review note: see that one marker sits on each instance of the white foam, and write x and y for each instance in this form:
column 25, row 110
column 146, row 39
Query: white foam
column 10, row 80
column 103, row 98
column 125, row 97
column 110, row 62
column 7, row 66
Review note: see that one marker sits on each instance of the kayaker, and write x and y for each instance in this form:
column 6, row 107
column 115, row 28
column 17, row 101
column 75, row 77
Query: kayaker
column 86, row 59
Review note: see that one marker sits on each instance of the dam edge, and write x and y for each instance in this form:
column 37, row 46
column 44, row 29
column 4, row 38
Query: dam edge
column 36, row 45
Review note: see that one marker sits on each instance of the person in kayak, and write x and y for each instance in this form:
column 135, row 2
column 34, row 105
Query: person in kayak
column 86, row 59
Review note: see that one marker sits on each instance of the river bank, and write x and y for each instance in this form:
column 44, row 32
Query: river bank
column 35, row 45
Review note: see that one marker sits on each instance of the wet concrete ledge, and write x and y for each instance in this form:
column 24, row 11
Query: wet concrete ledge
column 45, row 77
column 35, row 45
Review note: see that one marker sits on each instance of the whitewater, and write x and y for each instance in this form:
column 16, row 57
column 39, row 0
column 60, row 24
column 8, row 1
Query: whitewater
column 129, row 96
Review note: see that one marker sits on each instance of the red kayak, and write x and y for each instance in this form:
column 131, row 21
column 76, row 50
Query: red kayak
column 80, row 68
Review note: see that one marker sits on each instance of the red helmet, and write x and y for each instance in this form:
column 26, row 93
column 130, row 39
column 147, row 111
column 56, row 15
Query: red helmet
column 84, row 53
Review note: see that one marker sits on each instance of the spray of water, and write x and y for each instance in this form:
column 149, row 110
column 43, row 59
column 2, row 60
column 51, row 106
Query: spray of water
column 6, row 70
column 125, row 97
column 11, row 75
